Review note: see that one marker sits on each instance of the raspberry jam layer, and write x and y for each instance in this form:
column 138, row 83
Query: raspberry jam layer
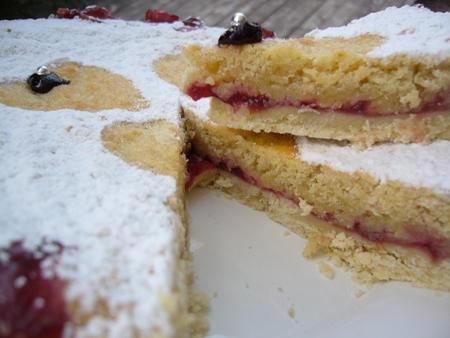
column 31, row 303
column 417, row 236
column 255, row 103
column 196, row 167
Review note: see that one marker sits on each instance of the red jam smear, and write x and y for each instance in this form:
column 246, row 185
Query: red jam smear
column 436, row 247
column 267, row 34
column 91, row 13
column 157, row 16
column 196, row 166
column 197, row 91
column 240, row 173
column 31, row 304
column 256, row 103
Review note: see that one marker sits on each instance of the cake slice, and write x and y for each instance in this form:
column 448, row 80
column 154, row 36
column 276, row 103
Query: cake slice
column 93, row 229
column 383, row 212
column 384, row 77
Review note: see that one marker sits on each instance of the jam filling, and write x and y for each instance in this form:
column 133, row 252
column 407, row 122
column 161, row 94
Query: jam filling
column 196, row 167
column 31, row 303
column 91, row 13
column 257, row 103
column 436, row 247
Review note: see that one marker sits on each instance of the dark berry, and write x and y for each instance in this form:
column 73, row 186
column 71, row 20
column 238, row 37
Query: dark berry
column 248, row 32
column 157, row 16
column 267, row 34
column 42, row 84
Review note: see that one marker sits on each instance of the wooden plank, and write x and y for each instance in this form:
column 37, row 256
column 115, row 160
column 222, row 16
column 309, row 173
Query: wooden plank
column 289, row 15
column 331, row 13
column 202, row 9
column 257, row 11
column 338, row 13
column 174, row 6
column 233, row 7
column 133, row 10
column 285, row 17
column 217, row 12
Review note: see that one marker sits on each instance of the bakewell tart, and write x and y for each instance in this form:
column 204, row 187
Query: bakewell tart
column 92, row 220
column 374, row 211
column 384, row 77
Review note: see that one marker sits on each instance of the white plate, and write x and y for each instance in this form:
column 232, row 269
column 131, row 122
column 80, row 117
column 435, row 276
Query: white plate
column 254, row 271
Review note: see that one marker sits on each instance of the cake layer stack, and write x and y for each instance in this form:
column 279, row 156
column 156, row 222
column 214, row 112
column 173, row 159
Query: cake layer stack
column 342, row 136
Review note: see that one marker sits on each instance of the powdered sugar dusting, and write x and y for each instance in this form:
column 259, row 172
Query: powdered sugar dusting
column 127, row 48
column 410, row 30
column 416, row 165
column 59, row 183
column 200, row 107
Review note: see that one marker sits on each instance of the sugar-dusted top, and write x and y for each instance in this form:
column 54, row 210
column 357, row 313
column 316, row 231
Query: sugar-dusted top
column 127, row 48
column 413, row 30
column 200, row 107
column 58, row 182
column 416, row 165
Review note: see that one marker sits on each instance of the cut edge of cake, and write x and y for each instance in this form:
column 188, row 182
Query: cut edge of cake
column 108, row 238
column 368, row 257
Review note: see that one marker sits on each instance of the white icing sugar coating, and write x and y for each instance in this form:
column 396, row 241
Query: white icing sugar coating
column 416, row 165
column 127, row 48
column 410, row 30
column 200, row 107
column 58, row 182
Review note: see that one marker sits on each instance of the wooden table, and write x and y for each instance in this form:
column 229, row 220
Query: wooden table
column 286, row 17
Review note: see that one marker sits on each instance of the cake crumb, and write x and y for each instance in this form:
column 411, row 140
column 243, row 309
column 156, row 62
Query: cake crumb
column 316, row 246
column 69, row 128
column 326, row 270
column 198, row 302
column 223, row 182
column 280, row 290
column 359, row 293
column 9, row 30
column 305, row 207
column 198, row 310
column 291, row 312
column 343, row 242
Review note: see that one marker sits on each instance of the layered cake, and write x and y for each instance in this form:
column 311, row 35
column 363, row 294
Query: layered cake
column 384, row 211
column 92, row 140
column 93, row 230
column 384, row 77
column 373, row 211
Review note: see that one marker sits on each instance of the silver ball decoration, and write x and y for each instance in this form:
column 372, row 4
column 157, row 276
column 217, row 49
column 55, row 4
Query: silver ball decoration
column 238, row 19
column 42, row 70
